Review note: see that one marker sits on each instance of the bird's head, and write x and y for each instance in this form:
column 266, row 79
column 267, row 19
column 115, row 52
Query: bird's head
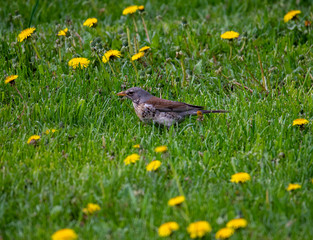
column 135, row 94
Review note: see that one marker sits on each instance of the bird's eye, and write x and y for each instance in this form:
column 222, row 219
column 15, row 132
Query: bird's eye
column 130, row 93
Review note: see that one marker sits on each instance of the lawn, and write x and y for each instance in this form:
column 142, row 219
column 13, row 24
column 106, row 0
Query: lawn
column 264, row 78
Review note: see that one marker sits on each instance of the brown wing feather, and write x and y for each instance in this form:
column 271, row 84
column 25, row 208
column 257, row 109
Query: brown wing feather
column 164, row 105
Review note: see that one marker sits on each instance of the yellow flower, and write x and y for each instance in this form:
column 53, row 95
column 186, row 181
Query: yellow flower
column 76, row 62
column 312, row 180
column 91, row 208
column 64, row 234
column 131, row 158
column 224, row 233
column 130, row 10
column 166, row 229
column 137, row 56
column 63, row 32
column 291, row 15
column 111, row 54
column 90, row 22
column 240, row 177
column 160, row 149
column 33, row 139
column 136, row 146
column 48, row 131
column 230, row 35
column 141, row 8
column 300, row 122
column 10, row 78
column 293, row 186
column 153, row 166
column 144, row 49
column 25, row 34
column 176, row 201
column 237, row 223
column 199, row 229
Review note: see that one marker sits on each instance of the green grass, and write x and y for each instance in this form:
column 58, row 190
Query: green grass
column 44, row 188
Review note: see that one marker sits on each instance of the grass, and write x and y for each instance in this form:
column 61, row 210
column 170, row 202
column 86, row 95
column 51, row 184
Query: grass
column 45, row 188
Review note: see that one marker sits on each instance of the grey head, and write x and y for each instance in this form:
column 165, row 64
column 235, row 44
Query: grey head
column 136, row 94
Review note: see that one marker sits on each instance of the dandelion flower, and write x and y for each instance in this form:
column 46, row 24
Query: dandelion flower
column 240, row 177
column 33, row 139
column 161, row 149
column 133, row 158
column 10, row 79
column 300, row 122
column 141, row 8
column 144, row 49
column 48, row 131
column 224, row 233
column 230, row 35
column 291, row 15
column 64, row 234
column 136, row 146
column 63, row 32
column 76, row 62
column 137, row 56
column 237, row 223
column 166, row 229
column 199, row 229
column 25, row 34
column 91, row 208
column 130, row 10
column 176, row 201
column 293, row 186
column 153, row 166
column 90, row 22
column 110, row 55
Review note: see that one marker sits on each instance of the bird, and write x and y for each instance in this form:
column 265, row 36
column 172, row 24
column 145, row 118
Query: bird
column 151, row 109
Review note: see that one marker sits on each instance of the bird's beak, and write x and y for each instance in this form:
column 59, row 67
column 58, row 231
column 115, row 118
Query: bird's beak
column 121, row 94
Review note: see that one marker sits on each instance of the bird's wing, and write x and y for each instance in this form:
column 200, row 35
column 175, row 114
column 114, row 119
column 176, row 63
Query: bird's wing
column 164, row 105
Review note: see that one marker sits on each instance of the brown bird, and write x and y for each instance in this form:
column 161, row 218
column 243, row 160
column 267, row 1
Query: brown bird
column 157, row 110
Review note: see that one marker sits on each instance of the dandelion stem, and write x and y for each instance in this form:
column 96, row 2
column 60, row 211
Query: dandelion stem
column 145, row 27
column 36, row 50
column 24, row 105
column 135, row 44
column 111, row 68
column 129, row 42
column 60, row 56
column 181, row 192
column 137, row 77
column 230, row 51
column 135, row 24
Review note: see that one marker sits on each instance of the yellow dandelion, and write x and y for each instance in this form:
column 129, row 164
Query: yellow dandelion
column 141, row 8
column 111, row 54
column 136, row 146
column 91, row 208
column 25, row 34
column 237, row 223
column 161, row 149
column 224, row 233
column 291, row 15
column 312, row 180
column 230, row 35
column 144, row 49
column 240, row 177
column 153, row 166
column 166, row 229
column 293, row 186
column 33, row 139
column 199, row 229
column 48, row 131
column 90, row 22
column 176, row 201
column 10, row 79
column 137, row 56
column 300, row 122
column 76, row 62
column 133, row 158
column 130, row 10
column 63, row 32
column 64, row 234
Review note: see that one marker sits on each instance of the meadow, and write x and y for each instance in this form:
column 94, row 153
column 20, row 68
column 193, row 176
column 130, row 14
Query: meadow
column 264, row 78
